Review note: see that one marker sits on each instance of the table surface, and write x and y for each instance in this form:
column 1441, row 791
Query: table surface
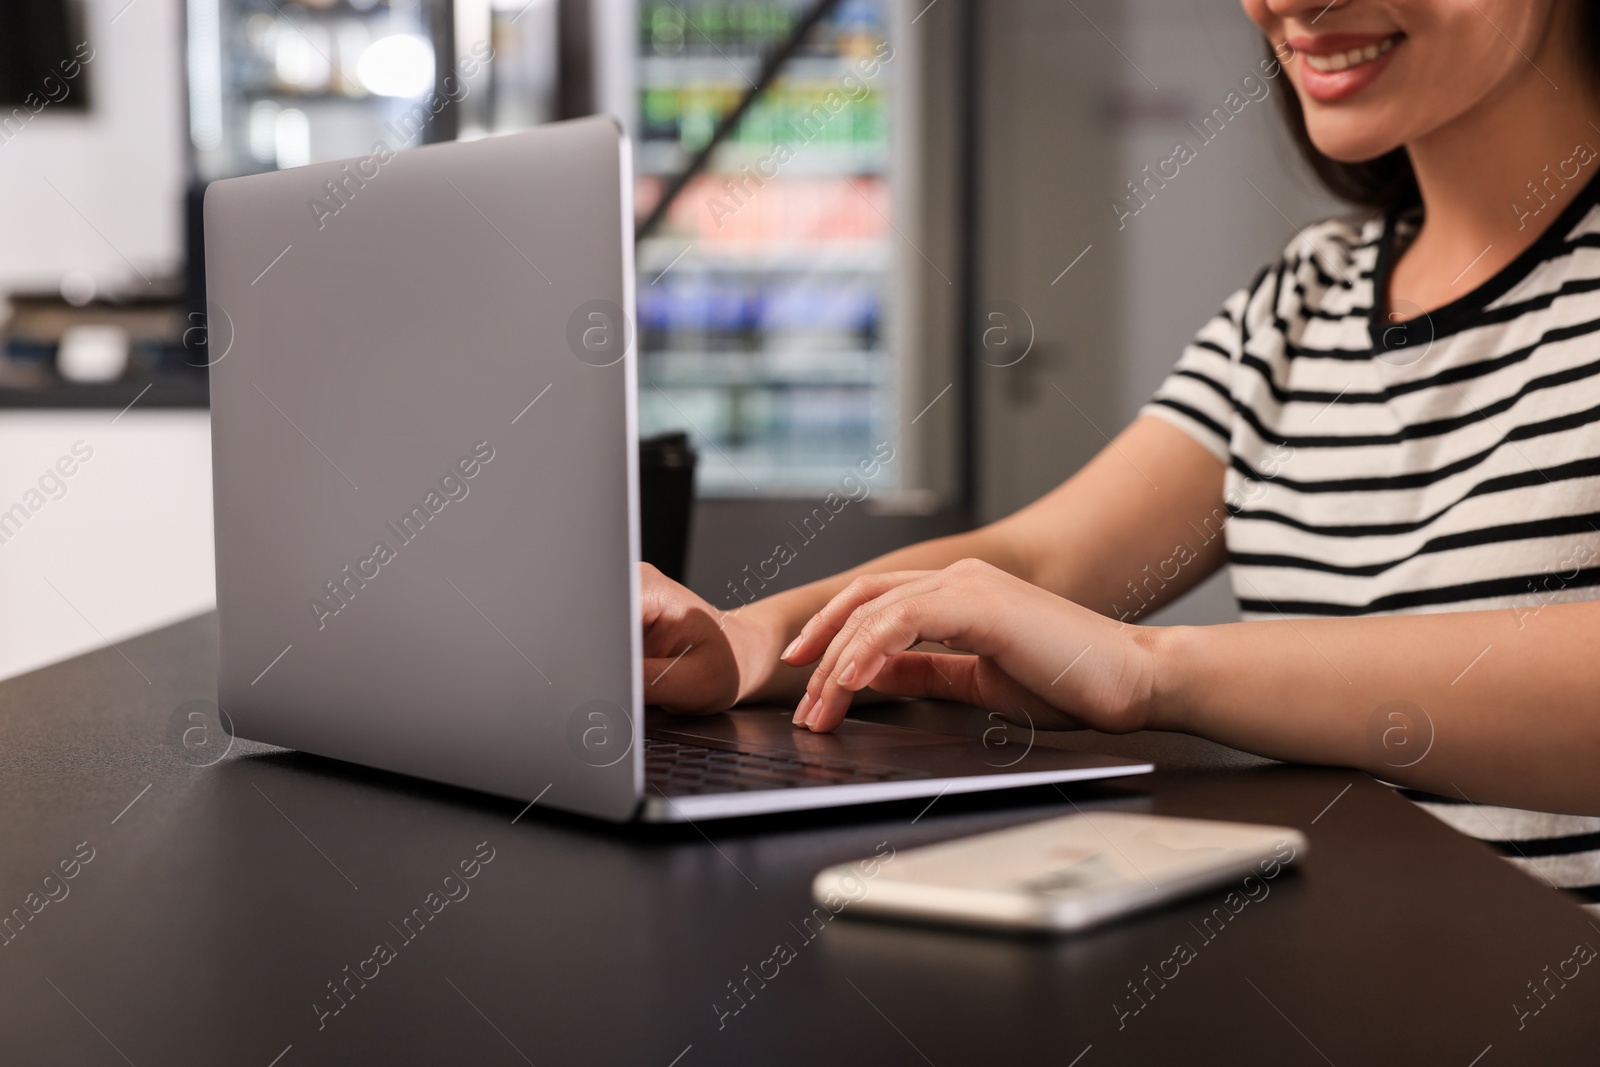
column 222, row 902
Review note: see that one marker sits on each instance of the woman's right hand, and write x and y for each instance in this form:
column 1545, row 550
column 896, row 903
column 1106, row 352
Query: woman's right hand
column 698, row 660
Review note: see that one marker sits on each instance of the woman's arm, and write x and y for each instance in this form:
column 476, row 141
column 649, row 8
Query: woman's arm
column 1108, row 538
column 1136, row 527
column 1494, row 707
column 1504, row 706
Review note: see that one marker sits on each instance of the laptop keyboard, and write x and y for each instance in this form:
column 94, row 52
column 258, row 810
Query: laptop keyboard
column 679, row 769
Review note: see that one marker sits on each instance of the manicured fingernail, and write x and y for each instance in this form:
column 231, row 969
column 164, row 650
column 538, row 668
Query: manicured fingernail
column 792, row 646
column 848, row 673
column 801, row 708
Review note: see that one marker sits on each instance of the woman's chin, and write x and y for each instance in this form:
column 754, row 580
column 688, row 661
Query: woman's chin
column 1350, row 141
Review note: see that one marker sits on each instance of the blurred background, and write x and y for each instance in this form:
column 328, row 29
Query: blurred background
column 921, row 225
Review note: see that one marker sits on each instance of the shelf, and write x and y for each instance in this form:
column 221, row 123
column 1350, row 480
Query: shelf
column 730, row 471
column 288, row 9
column 670, row 72
column 174, row 392
column 668, row 158
column 320, row 96
column 656, row 254
column 769, row 369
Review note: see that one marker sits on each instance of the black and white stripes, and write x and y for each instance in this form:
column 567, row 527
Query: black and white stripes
column 1385, row 462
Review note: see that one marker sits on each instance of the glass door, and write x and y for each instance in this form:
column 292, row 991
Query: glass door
column 762, row 299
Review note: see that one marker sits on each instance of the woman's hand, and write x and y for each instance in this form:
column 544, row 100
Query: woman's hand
column 697, row 660
column 1035, row 655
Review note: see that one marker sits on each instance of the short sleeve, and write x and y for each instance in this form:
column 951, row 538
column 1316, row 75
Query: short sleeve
column 1197, row 396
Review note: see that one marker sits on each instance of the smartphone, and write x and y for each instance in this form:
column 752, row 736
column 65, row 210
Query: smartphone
column 1062, row 874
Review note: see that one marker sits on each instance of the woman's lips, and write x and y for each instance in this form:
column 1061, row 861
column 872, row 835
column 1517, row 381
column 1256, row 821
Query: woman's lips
column 1335, row 66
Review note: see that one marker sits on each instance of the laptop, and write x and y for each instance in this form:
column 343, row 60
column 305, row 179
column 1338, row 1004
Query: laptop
column 425, row 453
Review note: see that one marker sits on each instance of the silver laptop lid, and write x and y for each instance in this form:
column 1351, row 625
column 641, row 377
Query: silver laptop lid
column 424, row 446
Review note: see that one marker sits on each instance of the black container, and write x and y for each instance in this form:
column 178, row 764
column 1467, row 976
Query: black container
column 666, row 502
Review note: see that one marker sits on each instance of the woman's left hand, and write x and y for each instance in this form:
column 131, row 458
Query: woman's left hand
column 1034, row 654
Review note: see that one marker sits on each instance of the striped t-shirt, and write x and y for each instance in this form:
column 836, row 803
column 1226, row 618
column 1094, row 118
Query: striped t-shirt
column 1396, row 462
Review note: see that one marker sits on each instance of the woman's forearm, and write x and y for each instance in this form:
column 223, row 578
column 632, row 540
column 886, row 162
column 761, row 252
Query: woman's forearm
column 1134, row 528
column 1494, row 707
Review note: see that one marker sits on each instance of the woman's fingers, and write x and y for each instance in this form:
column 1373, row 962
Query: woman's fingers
column 699, row 681
column 689, row 665
column 827, row 632
column 883, row 630
column 820, row 630
column 1034, row 655
column 930, row 676
column 972, row 680
column 835, row 660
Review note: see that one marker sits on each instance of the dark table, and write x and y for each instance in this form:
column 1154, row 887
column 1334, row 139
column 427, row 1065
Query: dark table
column 222, row 904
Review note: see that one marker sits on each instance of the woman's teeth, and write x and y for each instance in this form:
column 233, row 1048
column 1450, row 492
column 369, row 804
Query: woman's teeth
column 1353, row 58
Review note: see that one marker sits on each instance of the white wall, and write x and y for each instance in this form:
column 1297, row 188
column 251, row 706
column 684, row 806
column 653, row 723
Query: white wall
column 121, row 165
column 126, row 548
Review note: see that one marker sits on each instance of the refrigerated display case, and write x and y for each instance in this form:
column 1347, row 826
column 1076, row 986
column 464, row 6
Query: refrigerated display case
column 762, row 297
column 282, row 83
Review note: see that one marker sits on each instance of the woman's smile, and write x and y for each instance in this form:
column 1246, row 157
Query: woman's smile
column 1338, row 65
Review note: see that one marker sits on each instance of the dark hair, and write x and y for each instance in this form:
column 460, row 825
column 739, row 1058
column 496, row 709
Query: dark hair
column 1388, row 183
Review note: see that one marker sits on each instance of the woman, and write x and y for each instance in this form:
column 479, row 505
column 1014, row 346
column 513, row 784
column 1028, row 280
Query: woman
column 1400, row 422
